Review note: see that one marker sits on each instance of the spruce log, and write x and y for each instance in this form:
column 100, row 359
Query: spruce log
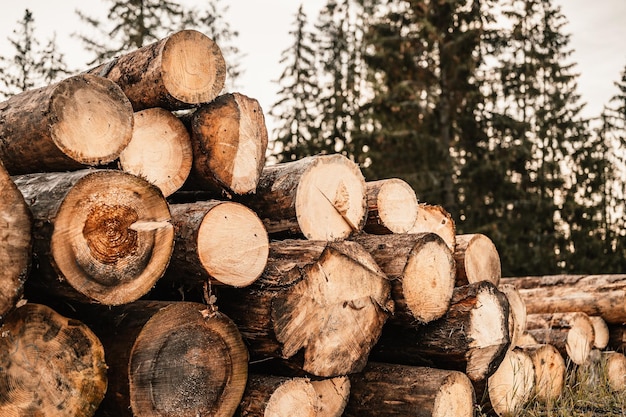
column 596, row 295
column 318, row 305
column 472, row 336
column 615, row 363
column 549, row 367
column 15, row 243
column 81, row 121
column 177, row 72
column 159, row 151
column 421, row 269
column 600, row 332
column 391, row 206
column 50, row 365
column 517, row 313
column 333, row 394
column 320, row 197
column 99, row 235
column 477, row 259
column 399, row 390
column 435, row 219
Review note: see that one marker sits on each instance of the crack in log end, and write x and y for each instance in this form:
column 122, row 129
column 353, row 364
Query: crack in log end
column 109, row 234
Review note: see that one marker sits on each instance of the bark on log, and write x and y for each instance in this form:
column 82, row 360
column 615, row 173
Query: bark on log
column 421, row 269
column 50, row 365
column 229, row 140
column 435, row 219
column 477, row 259
column 600, row 332
column 595, row 295
column 81, row 121
column 177, row 72
column 399, row 390
column 549, row 367
column 15, row 244
column 391, row 207
column 319, row 305
column 321, row 197
column 471, row 337
column 617, row 337
column 159, row 151
column 100, row 236
column 221, row 241
column 517, row 313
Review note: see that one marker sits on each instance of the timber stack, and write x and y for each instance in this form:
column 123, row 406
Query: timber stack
column 155, row 265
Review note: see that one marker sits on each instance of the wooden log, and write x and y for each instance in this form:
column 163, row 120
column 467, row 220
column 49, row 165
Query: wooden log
column 595, row 295
column 50, row 365
column 159, row 150
column 471, row 337
column 517, row 313
column 600, row 332
column 15, row 244
column 615, row 363
column 550, row 369
column 391, row 206
column 177, row 72
column 571, row 333
column 333, row 394
column 421, row 269
column 477, row 259
column 223, row 242
column 321, row 197
column 526, row 339
column 80, row 121
column 318, row 305
column 435, row 219
column 399, row 390
column 229, row 140
column 100, row 236
column 617, row 337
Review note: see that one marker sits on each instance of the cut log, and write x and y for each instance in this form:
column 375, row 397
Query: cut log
column 159, row 151
column 571, row 333
column 391, row 206
column 549, row 367
column 595, row 295
column 15, row 244
column 526, row 339
column 50, row 365
column 221, row 241
column 321, row 197
column 615, row 370
column 229, row 140
column 333, row 394
column 177, row 72
column 99, row 235
column 477, row 259
column 600, row 332
column 319, row 305
column 435, row 219
column 421, row 269
column 81, row 121
column 471, row 337
column 517, row 313
column 399, row 390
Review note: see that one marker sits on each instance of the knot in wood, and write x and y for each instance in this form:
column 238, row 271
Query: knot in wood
column 108, row 233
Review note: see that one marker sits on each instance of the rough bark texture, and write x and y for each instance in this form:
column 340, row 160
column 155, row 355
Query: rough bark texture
column 391, row 206
column 177, row 72
column 477, row 259
column 435, row 219
column 82, row 120
column 50, row 365
column 549, row 367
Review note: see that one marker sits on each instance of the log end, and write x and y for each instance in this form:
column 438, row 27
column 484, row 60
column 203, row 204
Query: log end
column 435, row 219
column 512, row 385
column 455, row 397
column 392, row 206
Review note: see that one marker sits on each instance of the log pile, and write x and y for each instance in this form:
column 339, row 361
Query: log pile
column 155, row 265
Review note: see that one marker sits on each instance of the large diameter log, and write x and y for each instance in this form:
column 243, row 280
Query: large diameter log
column 472, row 337
column 15, row 243
column 321, row 197
column 550, row 369
column 399, row 390
column 177, row 72
column 159, row 150
column 477, row 259
column 595, row 295
column 421, row 269
column 50, row 365
column 81, row 121
column 101, row 236
column 319, row 305
column 435, row 219
column 391, row 206
column 219, row 241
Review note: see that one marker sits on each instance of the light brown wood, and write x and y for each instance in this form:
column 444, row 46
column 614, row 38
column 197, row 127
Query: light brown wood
column 333, row 395
column 80, row 121
column 50, row 365
column 391, row 206
column 477, row 259
column 177, row 72
column 277, row 396
column 100, row 235
column 511, row 386
column 517, row 313
column 615, row 370
column 600, row 331
column 159, row 150
column 435, row 219
column 550, row 370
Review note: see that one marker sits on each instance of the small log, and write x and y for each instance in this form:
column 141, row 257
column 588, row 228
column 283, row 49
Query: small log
column 320, row 306
column 50, row 365
column 321, row 197
column 333, row 394
column 399, row 390
column 517, row 313
column 435, row 219
column 81, row 121
column 550, row 369
column 600, row 331
column 391, row 206
column 477, row 259
column 177, row 72
column 159, row 151
column 615, row 370
column 100, row 236
column 421, row 269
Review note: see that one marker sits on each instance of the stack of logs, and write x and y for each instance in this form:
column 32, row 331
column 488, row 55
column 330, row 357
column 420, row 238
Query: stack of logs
column 155, row 265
